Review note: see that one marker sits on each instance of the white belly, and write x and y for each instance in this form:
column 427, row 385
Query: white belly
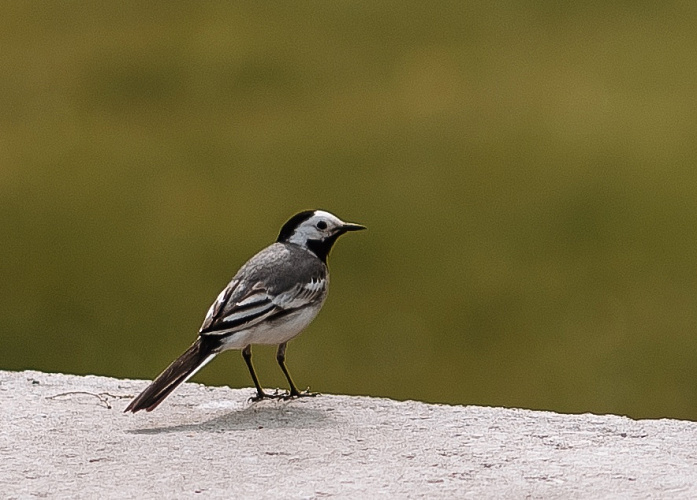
column 277, row 332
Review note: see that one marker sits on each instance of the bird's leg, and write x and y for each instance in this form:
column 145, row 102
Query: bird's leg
column 294, row 392
column 247, row 355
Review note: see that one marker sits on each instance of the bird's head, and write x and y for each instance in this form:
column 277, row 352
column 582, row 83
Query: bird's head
column 315, row 230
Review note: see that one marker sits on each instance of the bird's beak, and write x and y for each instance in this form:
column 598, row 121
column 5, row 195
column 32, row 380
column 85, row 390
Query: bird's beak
column 348, row 226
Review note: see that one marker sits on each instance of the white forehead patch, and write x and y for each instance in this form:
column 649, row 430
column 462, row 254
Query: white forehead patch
column 330, row 219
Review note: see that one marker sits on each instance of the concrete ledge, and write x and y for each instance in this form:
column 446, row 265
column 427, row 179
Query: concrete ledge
column 65, row 436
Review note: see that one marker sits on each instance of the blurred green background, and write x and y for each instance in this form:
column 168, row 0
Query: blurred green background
column 527, row 171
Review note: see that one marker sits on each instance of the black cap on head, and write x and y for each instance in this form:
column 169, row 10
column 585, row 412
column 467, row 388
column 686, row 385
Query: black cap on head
column 290, row 226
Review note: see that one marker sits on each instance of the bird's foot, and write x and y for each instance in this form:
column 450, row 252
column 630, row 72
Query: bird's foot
column 264, row 395
column 300, row 394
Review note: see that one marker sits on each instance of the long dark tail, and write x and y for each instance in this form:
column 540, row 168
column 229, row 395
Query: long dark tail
column 181, row 369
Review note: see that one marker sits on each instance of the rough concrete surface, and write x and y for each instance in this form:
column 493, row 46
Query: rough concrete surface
column 65, row 436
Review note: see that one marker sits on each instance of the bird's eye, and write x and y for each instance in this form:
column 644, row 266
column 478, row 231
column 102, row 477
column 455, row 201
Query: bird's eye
column 322, row 225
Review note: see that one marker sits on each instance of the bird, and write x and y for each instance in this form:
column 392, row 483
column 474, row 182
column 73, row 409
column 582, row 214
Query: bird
column 273, row 297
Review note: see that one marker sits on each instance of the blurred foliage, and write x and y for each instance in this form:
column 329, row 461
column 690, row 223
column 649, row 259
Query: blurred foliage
column 526, row 169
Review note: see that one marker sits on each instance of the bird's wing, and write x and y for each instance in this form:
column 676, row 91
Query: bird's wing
column 242, row 305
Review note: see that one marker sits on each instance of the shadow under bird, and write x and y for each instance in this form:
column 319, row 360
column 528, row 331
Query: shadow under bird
column 270, row 300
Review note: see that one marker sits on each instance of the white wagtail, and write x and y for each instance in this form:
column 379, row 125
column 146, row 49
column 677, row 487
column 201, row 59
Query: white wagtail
column 270, row 300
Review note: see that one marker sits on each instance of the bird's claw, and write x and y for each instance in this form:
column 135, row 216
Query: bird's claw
column 298, row 394
column 263, row 395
